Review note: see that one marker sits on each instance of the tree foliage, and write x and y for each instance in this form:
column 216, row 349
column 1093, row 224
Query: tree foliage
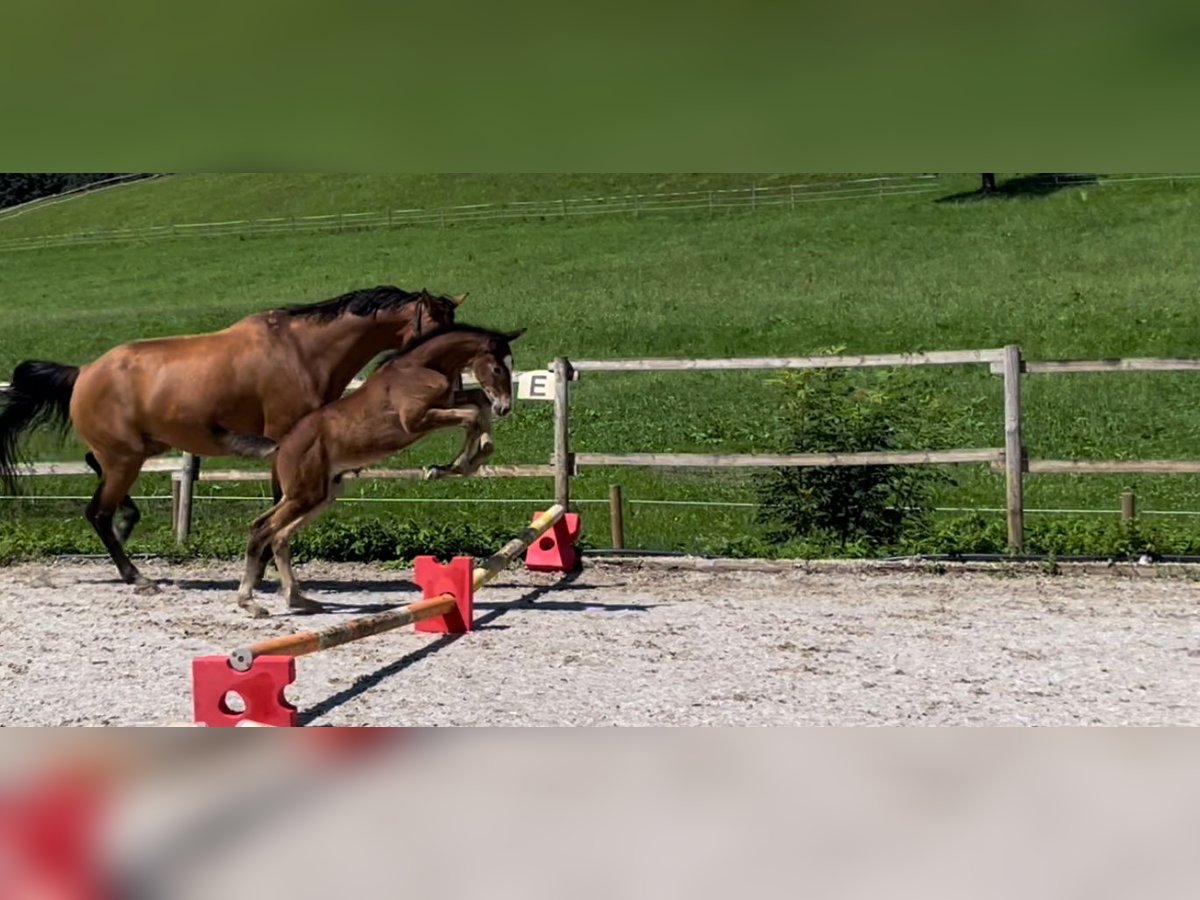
column 21, row 187
column 839, row 410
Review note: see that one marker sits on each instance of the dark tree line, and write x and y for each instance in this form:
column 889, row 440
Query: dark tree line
column 21, row 187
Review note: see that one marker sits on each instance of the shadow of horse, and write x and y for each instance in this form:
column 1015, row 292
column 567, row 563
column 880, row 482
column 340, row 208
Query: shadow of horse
column 356, row 586
column 1024, row 186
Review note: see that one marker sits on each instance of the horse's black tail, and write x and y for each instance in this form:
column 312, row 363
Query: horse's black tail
column 40, row 394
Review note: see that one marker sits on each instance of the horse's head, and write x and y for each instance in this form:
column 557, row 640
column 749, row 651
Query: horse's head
column 431, row 313
column 492, row 368
column 420, row 315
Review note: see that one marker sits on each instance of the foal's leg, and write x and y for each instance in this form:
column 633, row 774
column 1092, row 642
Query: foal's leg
column 265, row 552
column 280, row 544
column 468, row 418
column 123, row 527
column 261, row 533
column 117, row 480
column 478, row 445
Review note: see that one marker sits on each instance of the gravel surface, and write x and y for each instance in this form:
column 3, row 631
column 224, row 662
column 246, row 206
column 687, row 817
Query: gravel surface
column 627, row 644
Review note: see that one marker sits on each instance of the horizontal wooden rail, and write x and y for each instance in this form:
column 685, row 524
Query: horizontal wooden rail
column 1058, row 367
column 1080, row 366
column 765, row 460
column 934, row 358
column 307, row 642
column 169, row 464
column 1113, row 467
column 172, row 464
column 407, row 474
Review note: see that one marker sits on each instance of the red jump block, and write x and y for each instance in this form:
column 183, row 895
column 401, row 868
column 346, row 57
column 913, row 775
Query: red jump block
column 454, row 578
column 261, row 689
column 555, row 550
column 50, row 835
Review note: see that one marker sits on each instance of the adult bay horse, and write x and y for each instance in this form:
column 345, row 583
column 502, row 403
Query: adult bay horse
column 227, row 393
column 411, row 394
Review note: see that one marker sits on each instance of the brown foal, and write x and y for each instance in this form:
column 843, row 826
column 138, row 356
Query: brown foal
column 232, row 392
column 413, row 393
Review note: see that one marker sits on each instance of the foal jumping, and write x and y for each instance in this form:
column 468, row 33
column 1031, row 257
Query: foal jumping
column 229, row 393
column 410, row 395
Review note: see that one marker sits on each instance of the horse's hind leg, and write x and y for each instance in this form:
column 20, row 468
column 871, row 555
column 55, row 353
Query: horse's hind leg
column 258, row 551
column 297, row 602
column 122, row 527
column 118, row 478
column 266, row 554
column 272, row 531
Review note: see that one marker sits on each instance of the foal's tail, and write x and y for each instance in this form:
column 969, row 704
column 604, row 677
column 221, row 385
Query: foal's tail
column 40, row 394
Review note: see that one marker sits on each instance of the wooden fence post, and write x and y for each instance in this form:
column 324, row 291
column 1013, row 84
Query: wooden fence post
column 616, row 511
column 1014, row 452
column 1128, row 506
column 562, row 442
column 189, row 472
column 176, row 482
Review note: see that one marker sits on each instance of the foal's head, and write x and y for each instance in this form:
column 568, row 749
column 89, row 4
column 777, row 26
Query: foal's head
column 492, row 368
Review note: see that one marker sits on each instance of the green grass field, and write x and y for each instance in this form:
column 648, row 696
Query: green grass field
column 1085, row 272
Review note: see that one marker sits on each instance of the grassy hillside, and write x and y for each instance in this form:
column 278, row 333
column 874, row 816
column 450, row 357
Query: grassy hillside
column 220, row 198
column 1084, row 272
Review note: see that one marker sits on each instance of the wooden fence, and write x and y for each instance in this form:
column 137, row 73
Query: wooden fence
column 1008, row 457
column 713, row 202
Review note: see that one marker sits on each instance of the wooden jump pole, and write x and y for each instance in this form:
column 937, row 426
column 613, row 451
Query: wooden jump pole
column 307, row 642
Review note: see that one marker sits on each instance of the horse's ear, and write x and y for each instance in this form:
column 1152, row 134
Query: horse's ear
column 458, row 300
column 513, row 335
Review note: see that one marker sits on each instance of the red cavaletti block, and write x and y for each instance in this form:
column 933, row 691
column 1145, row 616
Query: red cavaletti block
column 555, row 550
column 49, row 840
column 454, row 578
column 261, row 689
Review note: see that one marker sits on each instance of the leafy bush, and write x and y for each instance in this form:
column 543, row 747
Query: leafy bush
column 1106, row 537
column 857, row 509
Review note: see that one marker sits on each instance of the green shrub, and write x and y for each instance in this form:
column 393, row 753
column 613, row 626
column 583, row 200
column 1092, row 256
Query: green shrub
column 855, row 509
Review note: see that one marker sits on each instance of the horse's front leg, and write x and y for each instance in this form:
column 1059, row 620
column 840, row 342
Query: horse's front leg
column 478, row 444
column 475, row 420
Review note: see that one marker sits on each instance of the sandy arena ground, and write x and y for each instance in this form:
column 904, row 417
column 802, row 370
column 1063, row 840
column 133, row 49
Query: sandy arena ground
column 627, row 644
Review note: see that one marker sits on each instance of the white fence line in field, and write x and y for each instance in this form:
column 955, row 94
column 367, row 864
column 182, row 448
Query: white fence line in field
column 715, row 200
column 712, row 201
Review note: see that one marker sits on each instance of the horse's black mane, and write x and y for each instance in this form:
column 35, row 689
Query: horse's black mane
column 457, row 328
column 365, row 302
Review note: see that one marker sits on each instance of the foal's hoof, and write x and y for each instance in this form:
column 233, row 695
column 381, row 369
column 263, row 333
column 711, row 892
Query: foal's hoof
column 256, row 610
column 433, row 473
column 144, row 586
column 304, row 606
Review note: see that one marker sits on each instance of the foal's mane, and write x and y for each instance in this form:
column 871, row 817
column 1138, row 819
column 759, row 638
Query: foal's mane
column 457, row 328
column 364, row 302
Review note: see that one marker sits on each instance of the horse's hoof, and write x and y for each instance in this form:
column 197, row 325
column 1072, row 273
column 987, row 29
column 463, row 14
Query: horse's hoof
column 256, row 610
column 144, row 586
column 305, row 607
column 433, row 473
